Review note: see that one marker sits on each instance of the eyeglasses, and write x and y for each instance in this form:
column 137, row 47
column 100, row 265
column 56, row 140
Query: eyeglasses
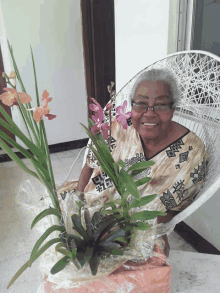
column 158, row 108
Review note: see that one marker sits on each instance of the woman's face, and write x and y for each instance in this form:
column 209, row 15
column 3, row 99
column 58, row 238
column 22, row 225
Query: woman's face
column 152, row 93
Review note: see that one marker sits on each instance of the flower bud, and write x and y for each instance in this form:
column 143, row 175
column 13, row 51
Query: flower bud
column 4, row 75
column 109, row 88
column 12, row 75
column 109, row 106
column 112, row 84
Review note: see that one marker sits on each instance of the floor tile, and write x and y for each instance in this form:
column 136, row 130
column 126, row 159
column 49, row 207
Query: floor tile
column 28, row 282
column 176, row 242
column 194, row 272
column 77, row 168
column 65, row 154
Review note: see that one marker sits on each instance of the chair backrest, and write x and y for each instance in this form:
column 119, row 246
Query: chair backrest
column 198, row 109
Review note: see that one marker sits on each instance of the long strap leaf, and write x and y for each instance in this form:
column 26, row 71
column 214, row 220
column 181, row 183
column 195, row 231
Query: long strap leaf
column 28, row 106
column 17, row 132
column 24, row 152
column 52, row 194
column 43, row 135
column 47, row 212
column 15, row 158
column 27, row 264
column 16, row 145
column 42, row 238
column 60, row 265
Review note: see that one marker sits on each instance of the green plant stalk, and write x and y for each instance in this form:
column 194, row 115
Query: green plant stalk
column 43, row 135
column 27, row 264
column 28, row 122
column 17, row 132
column 50, row 189
column 24, row 152
column 23, row 90
column 101, row 158
column 38, row 101
column 15, row 158
column 48, row 158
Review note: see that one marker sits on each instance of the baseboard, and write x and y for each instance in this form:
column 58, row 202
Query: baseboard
column 65, row 146
column 195, row 240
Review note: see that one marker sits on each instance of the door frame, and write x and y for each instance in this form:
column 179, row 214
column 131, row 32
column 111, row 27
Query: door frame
column 98, row 32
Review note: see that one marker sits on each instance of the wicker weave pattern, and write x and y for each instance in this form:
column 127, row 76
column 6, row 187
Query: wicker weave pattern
column 198, row 109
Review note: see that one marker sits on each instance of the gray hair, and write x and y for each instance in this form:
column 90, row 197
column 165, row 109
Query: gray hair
column 164, row 75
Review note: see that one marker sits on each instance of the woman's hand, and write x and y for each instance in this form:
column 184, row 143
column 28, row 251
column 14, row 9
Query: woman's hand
column 167, row 246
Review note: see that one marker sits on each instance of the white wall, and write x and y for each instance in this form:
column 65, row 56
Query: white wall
column 53, row 29
column 141, row 36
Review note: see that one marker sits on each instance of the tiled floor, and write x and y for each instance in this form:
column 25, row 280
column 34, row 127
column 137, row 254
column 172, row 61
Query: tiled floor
column 16, row 238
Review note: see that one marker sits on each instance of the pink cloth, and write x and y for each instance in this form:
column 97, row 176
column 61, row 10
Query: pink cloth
column 154, row 276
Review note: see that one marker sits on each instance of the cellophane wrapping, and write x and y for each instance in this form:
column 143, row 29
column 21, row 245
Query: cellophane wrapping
column 34, row 198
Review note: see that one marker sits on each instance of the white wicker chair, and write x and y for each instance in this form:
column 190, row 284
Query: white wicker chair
column 198, row 109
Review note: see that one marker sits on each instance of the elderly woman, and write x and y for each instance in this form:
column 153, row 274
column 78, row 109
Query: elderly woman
column 179, row 155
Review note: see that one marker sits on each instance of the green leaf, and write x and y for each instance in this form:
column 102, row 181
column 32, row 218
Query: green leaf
column 113, row 236
column 76, row 239
column 121, row 239
column 147, row 215
column 142, row 181
column 79, row 228
column 17, row 132
column 109, row 212
column 96, row 218
column 60, row 245
column 142, row 226
column 117, row 201
column 88, row 222
column 16, row 145
column 141, row 165
column 16, row 159
column 108, row 228
column 109, row 204
column 65, row 252
column 81, row 258
column 60, row 265
column 89, row 253
column 26, row 265
column 121, row 163
column 19, row 272
column 110, row 245
column 42, row 238
column 47, row 212
column 94, row 263
column 113, row 251
column 129, row 184
column 143, row 201
column 75, row 259
column 101, row 225
column 103, row 155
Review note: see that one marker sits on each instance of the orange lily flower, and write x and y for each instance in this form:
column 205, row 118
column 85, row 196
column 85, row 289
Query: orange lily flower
column 43, row 110
column 10, row 97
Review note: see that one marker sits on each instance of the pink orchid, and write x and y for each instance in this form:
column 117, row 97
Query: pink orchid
column 43, row 110
column 122, row 117
column 10, row 97
column 99, row 125
column 95, row 108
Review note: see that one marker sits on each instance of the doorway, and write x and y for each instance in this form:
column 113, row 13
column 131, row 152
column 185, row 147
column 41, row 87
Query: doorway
column 99, row 48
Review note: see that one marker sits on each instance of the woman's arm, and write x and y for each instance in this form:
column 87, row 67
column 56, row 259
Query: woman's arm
column 84, row 179
column 165, row 219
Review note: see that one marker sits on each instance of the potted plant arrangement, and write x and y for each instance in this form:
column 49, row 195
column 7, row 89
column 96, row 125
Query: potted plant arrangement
column 111, row 230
